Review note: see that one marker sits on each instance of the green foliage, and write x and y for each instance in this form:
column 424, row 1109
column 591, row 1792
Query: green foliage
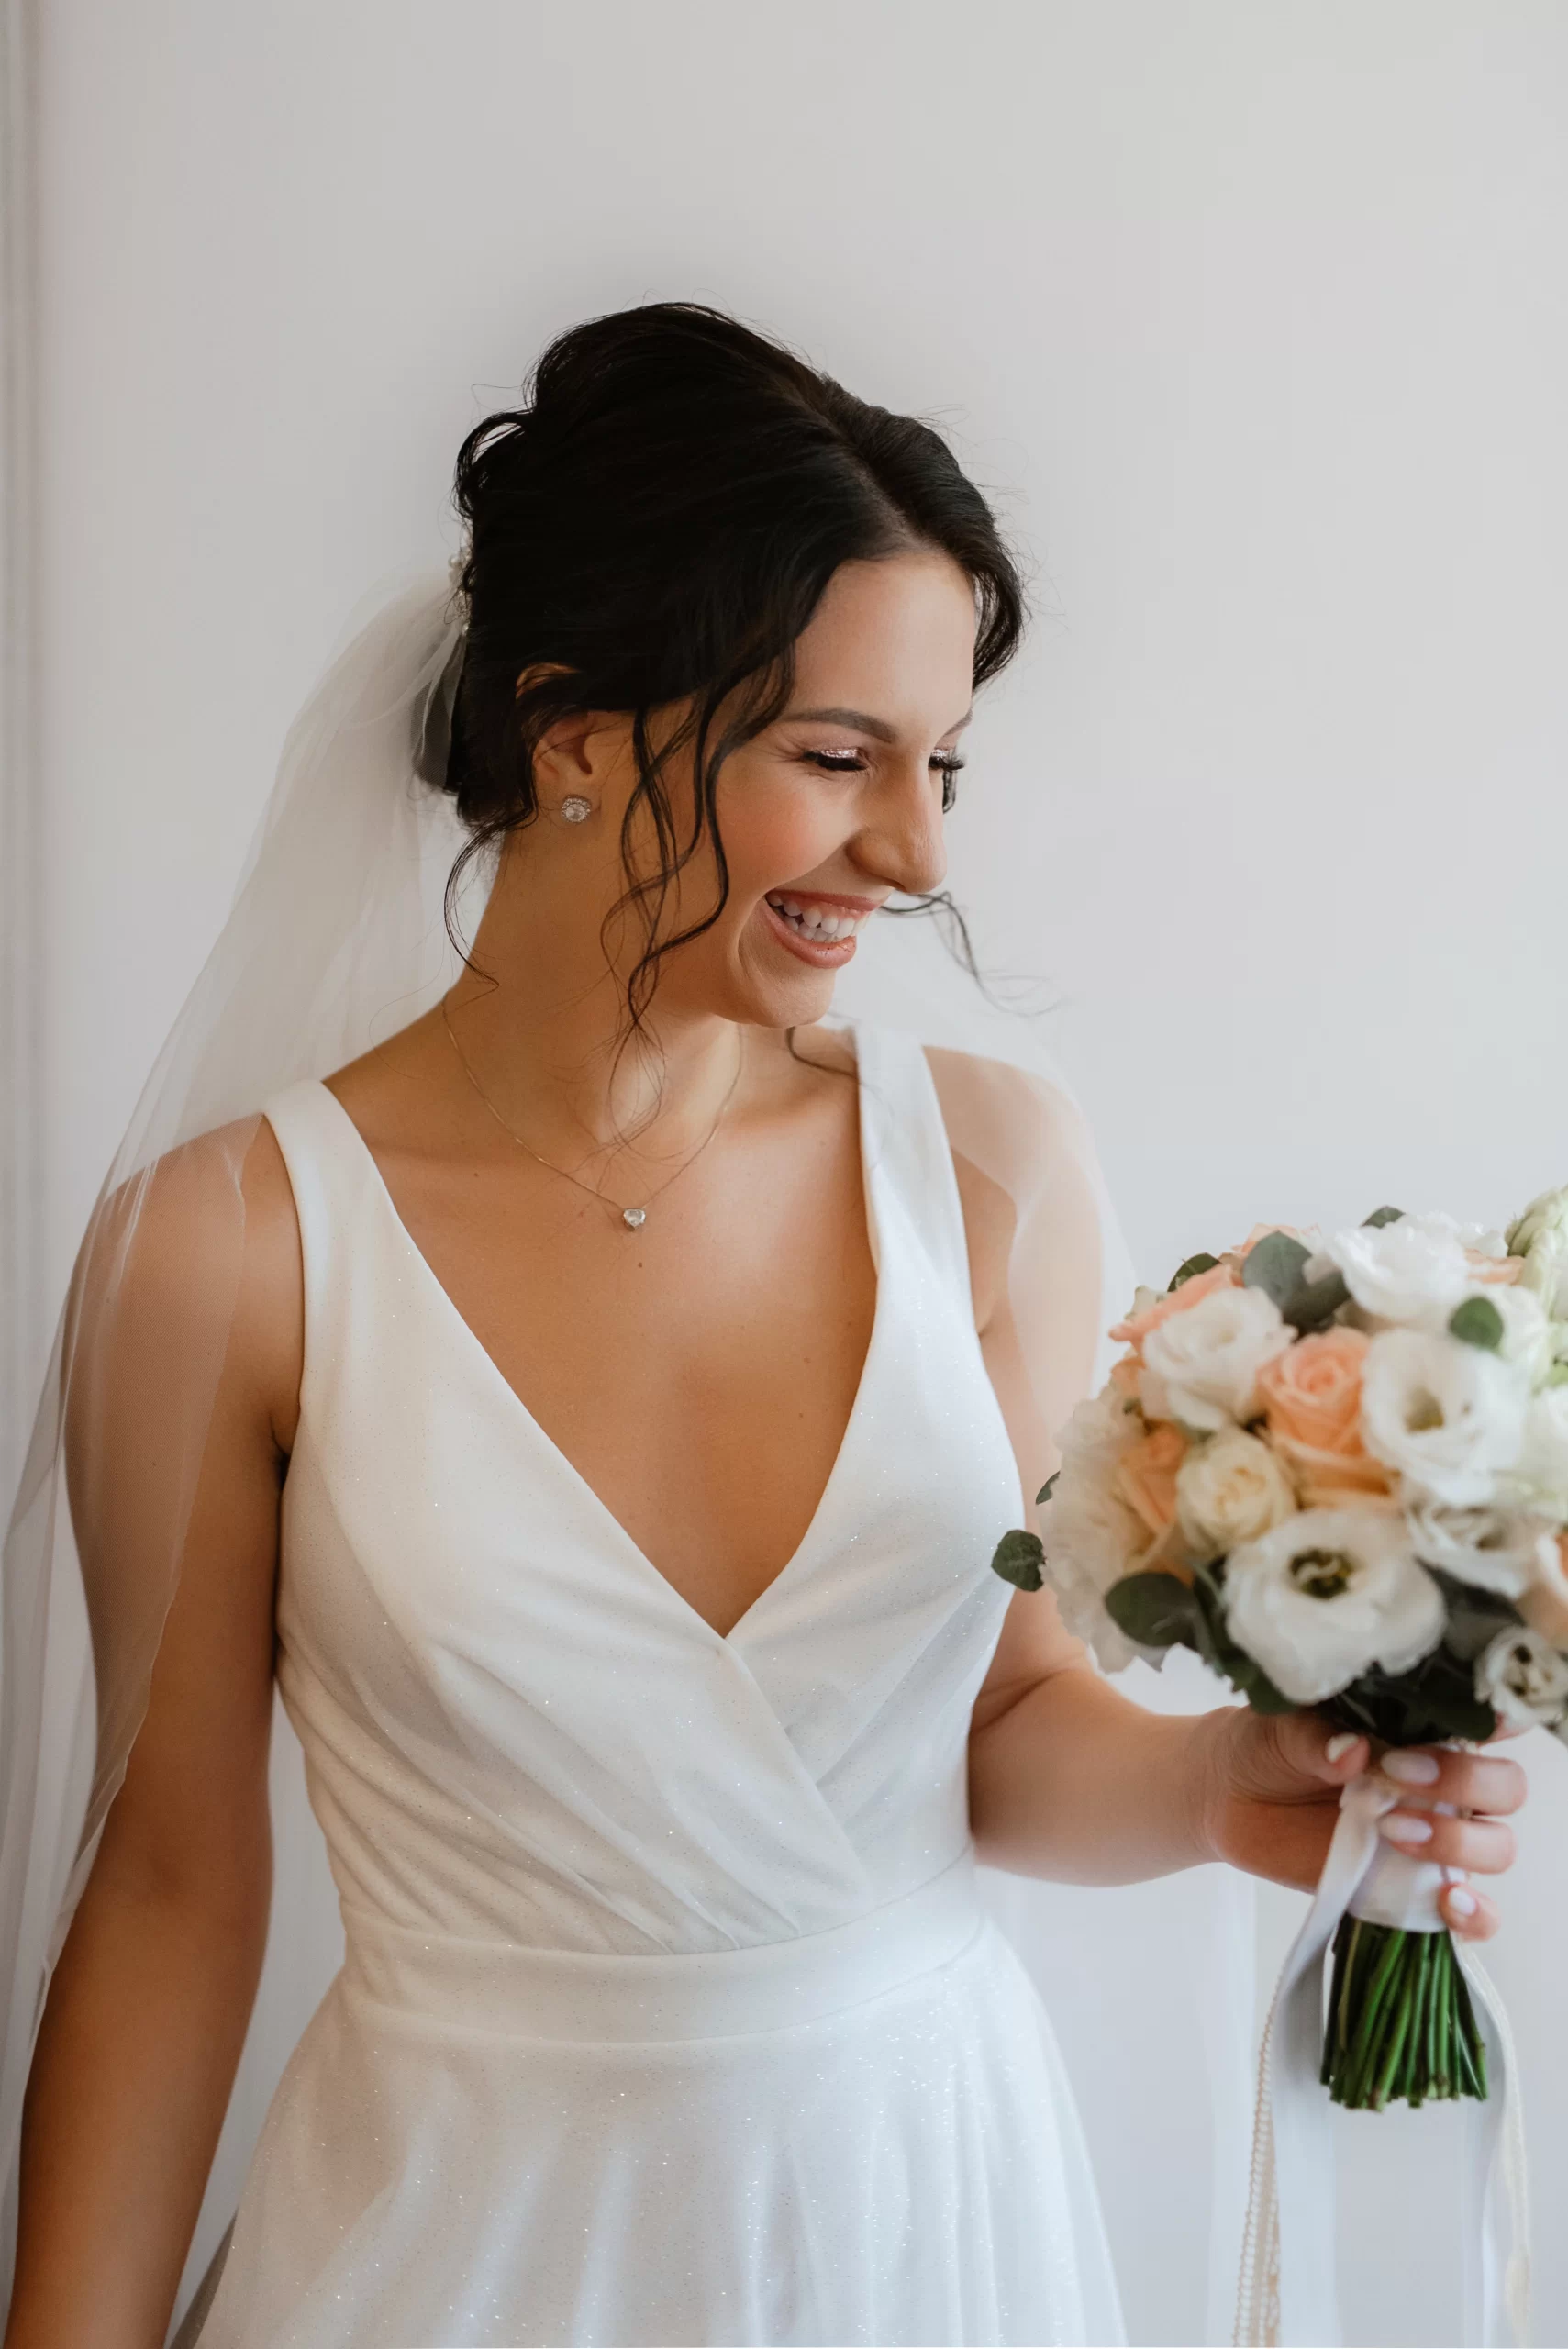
column 1475, row 1617
column 1435, row 1700
column 1275, row 1267
column 1478, row 1322
column 1190, row 1267
column 1046, row 1490
column 1316, row 1303
column 1156, row 1610
column 1018, row 1558
column 1220, row 1652
column 1379, row 1216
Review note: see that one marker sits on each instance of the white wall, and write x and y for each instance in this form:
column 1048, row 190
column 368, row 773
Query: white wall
column 1256, row 316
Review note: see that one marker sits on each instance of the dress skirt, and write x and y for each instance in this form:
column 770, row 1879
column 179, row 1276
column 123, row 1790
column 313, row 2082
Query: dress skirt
column 862, row 2135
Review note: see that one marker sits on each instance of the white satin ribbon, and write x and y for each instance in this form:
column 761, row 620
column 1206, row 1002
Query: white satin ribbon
column 1286, row 2298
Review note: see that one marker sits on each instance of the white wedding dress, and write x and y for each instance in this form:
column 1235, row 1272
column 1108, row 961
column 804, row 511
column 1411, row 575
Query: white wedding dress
column 669, row 2013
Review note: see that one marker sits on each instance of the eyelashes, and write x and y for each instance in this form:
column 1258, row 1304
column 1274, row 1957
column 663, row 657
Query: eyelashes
column 850, row 763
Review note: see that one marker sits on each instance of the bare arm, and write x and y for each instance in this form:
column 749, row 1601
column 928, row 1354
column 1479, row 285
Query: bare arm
column 1067, row 1777
column 148, row 2007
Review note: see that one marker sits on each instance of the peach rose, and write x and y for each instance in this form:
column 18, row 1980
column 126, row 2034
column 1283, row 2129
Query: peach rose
column 1146, row 1475
column 1125, row 1375
column 1312, row 1400
column 1545, row 1604
column 1134, row 1332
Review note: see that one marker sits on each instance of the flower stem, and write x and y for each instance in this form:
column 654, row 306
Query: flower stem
column 1400, row 2022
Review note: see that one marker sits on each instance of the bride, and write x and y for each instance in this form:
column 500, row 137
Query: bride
column 596, row 1404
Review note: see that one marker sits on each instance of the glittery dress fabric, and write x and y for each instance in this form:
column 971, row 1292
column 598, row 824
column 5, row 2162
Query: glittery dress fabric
column 670, row 2013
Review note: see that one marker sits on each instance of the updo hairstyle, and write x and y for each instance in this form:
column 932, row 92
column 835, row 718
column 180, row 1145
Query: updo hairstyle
column 656, row 524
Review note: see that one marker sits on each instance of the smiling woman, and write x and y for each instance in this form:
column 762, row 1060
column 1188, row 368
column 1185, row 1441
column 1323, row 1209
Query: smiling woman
column 596, row 1407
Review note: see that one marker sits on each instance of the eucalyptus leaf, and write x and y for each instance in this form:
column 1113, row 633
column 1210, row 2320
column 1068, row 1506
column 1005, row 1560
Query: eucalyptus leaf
column 1220, row 1652
column 1435, row 1699
column 1379, row 1216
column 1475, row 1616
column 1018, row 1559
column 1262, row 1693
column 1190, row 1266
column 1046, row 1490
column 1275, row 1267
column 1156, row 1610
column 1478, row 1322
column 1316, row 1304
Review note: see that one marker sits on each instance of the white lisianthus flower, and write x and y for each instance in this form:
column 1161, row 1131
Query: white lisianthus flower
column 1524, row 1680
column 1448, row 1416
column 1412, row 1271
column 1494, row 1549
column 1540, row 1237
column 1529, row 1338
column 1538, row 1477
column 1328, row 1593
column 1230, row 1489
column 1201, row 1367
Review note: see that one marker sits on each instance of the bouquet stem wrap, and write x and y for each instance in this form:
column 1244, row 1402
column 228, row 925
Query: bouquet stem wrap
column 1287, row 2297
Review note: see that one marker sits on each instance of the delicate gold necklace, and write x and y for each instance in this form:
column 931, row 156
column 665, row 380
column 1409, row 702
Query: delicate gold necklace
column 632, row 1218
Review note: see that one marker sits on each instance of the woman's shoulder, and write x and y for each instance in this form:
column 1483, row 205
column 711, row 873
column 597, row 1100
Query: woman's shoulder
column 1013, row 1122
column 191, row 1265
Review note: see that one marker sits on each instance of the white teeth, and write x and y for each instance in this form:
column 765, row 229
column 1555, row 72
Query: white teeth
column 823, row 923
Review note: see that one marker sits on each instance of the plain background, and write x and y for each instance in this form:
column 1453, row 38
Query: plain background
column 1254, row 318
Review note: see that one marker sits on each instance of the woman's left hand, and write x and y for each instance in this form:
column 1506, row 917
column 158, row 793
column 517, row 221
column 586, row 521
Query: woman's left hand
column 1270, row 1798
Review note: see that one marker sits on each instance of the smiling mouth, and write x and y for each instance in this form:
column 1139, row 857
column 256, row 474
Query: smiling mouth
column 818, row 919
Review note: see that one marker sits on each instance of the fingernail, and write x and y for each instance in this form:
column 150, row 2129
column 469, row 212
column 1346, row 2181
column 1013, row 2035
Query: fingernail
column 1403, row 1826
column 1462, row 1902
column 1410, row 1769
column 1338, row 1747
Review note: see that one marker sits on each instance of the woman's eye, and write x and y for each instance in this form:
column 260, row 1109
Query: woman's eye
column 950, row 770
column 853, row 763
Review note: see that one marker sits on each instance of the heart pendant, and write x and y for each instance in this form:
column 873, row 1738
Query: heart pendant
column 633, row 1216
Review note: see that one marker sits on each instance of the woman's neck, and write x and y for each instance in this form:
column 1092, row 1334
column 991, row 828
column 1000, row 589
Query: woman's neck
column 544, row 1032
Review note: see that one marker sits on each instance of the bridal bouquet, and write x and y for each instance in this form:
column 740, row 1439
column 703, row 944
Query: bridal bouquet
column 1336, row 1467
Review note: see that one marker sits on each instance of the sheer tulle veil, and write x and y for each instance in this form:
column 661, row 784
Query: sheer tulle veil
column 334, row 939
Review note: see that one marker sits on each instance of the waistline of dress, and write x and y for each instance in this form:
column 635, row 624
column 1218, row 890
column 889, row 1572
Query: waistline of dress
column 512, row 1991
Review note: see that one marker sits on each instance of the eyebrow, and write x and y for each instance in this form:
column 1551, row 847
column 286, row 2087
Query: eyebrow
column 877, row 728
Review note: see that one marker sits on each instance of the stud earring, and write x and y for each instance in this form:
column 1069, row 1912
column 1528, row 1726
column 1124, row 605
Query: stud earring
column 576, row 810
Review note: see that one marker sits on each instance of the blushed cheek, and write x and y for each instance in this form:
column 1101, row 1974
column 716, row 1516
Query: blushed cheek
column 772, row 836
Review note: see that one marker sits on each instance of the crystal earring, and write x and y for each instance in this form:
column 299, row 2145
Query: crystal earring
column 576, row 810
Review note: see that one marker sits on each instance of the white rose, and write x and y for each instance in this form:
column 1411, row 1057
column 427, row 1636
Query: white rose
column 1099, row 1431
column 1327, row 1594
column 1523, row 1679
column 1201, row 1366
column 1414, row 1270
column 1232, row 1489
column 1448, row 1416
column 1538, row 1477
column 1091, row 1539
column 1540, row 1237
column 1495, row 1549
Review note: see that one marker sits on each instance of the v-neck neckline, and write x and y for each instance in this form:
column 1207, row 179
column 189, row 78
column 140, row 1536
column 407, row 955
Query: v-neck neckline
column 870, row 1159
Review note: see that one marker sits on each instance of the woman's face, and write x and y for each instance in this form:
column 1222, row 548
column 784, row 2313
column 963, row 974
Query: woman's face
column 839, row 803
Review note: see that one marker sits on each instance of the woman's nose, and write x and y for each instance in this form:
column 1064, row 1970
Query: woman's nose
column 903, row 844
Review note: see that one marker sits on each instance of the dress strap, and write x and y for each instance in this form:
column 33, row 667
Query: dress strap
column 904, row 1128
column 337, row 1192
